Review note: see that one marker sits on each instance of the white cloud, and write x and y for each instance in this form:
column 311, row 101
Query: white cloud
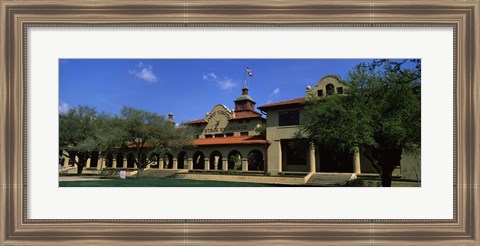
column 63, row 107
column 209, row 76
column 224, row 84
column 144, row 72
column 276, row 91
column 227, row 84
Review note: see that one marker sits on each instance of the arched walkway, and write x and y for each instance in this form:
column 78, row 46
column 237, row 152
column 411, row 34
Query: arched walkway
column 199, row 160
column 234, row 160
column 255, row 161
column 130, row 160
column 109, row 160
column 216, row 160
column 168, row 161
column 182, row 160
column 94, row 159
column 154, row 161
column 119, row 159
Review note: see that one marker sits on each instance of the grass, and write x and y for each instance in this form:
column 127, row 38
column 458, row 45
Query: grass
column 157, row 182
column 375, row 181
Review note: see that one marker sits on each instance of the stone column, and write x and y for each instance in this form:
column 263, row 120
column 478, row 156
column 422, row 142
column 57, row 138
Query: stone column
column 356, row 161
column 215, row 163
column 279, row 158
column 114, row 164
column 225, row 164
column 312, row 158
column 89, row 160
column 190, row 164
column 207, row 164
column 100, row 162
column 124, row 162
column 66, row 161
column 175, row 163
column 244, row 165
column 160, row 164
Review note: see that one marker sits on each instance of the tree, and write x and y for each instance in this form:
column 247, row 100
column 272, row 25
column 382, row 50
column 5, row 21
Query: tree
column 79, row 135
column 146, row 135
column 379, row 115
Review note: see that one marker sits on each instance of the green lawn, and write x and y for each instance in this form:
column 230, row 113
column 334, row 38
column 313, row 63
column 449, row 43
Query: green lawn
column 156, row 182
column 376, row 182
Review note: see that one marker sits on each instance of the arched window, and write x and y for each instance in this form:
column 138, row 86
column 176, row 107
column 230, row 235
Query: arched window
column 329, row 88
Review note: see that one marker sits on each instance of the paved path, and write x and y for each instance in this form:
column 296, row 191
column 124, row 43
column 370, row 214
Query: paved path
column 78, row 178
column 329, row 179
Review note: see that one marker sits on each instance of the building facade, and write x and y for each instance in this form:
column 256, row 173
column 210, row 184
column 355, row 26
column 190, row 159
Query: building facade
column 250, row 141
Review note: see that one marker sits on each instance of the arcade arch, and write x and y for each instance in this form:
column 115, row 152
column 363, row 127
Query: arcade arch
column 199, row 160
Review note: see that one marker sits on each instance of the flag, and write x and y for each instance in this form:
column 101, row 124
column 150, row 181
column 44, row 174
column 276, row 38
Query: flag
column 249, row 71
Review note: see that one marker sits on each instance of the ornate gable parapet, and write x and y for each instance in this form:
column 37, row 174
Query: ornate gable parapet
column 327, row 85
column 220, row 110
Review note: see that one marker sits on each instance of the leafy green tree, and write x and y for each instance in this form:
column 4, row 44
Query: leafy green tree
column 146, row 135
column 79, row 134
column 379, row 115
column 261, row 130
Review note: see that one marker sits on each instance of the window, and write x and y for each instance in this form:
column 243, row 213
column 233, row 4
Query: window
column 208, row 136
column 247, row 121
column 230, row 134
column 320, row 93
column 294, row 151
column 340, row 90
column 240, row 121
column 289, row 118
column 243, row 133
column 330, row 89
column 219, row 135
column 240, row 107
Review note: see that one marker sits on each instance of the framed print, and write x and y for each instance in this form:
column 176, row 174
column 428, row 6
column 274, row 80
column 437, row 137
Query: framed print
column 43, row 42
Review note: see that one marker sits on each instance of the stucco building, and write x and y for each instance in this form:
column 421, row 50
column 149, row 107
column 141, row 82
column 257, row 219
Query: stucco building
column 256, row 140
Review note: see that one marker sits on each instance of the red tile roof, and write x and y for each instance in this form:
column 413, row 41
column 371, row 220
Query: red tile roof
column 199, row 121
column 231, row 140
column 283, row 103
column 246, row 115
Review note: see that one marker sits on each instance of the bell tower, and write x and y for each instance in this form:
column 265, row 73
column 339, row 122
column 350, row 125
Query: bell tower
column 244, row 102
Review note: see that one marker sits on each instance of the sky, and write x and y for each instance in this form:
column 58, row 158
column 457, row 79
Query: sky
column 188, row 88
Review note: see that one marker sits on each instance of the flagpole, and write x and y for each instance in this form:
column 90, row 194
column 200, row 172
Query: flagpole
column 245, row 76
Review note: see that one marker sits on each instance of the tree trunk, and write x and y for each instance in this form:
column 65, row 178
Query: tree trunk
column 79, row 169
column 139, row 171
column 389, row 161
column 386, row 177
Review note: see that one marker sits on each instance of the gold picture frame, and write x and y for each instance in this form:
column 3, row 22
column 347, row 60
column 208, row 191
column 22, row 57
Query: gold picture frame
column 17, row 16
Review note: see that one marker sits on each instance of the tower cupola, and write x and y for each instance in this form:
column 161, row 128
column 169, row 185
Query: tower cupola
column 244, row 102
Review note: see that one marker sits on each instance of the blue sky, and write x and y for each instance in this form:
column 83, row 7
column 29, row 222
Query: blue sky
column 187, row 87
